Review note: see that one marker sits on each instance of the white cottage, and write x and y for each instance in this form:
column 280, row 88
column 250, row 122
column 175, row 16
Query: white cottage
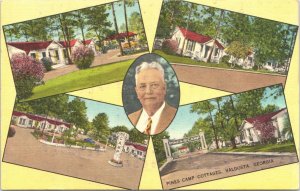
column 27, row 120
column 91, row 44
column 38, row 50
column 251, row 135
column 198, row 46
column 136, row 149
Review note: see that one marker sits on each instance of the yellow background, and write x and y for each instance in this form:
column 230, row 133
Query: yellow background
column 16, row 177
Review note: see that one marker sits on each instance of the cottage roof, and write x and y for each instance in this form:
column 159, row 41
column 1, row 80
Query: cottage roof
column 120, row 35
column 265, row 117
column 137, row 146
column 41, row 118
column 28, row 46
column 87, row 42
column 198, row 37
column 64, row 43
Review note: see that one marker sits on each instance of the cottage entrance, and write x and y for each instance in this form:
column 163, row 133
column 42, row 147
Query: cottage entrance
column 170, row 142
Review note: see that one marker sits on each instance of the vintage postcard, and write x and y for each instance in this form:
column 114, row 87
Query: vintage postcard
column 77, row 137
column 222, row 49
column 74, row 50
column 226, row 136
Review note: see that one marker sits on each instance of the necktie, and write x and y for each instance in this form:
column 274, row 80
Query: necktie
column 148, row 128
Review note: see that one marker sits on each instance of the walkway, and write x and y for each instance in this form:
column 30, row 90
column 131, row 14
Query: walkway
column 110, row 57
column 25, row 150
column 211, row 166
column 224, row 79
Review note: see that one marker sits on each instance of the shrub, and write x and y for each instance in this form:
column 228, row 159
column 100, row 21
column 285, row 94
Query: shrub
column 83, row 57
column 47, row 62
column 255, row 67
column 11, row 132
column 27, row 73
column 169, row 46
column 225, row 59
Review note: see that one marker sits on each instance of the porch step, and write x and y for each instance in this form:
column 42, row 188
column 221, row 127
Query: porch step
column 58, row 66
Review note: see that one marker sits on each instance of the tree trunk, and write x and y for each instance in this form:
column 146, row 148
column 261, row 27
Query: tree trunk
column 214, row 128
column 187, row 28
column 63, row 28
column 116, row 27
column 126, row 24
column 232, row 140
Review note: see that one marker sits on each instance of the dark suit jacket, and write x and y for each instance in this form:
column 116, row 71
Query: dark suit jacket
column 165, row 119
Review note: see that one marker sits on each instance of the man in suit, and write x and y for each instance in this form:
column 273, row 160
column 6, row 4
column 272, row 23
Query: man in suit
column 156, row 114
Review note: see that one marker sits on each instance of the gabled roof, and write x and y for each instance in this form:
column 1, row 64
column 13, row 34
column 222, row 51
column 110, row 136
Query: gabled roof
column 28, row 46
column 41, row 118
column 120, row 35
column 64, row 43
column 198, row 37
column 87, row 42
column 264, row 118
column 137, row 146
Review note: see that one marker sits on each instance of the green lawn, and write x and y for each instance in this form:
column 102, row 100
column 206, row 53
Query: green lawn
column 189, row 61
column 81, row 79
column 286, row 147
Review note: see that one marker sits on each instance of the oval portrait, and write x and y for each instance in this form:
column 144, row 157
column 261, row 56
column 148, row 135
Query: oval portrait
column 151, row 94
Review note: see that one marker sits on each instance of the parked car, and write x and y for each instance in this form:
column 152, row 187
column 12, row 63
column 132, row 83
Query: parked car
column 89, row 140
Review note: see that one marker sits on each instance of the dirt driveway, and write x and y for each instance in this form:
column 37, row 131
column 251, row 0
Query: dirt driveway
column 23, row 149
column 110, row 57
column 211, row 166
column 223, row 79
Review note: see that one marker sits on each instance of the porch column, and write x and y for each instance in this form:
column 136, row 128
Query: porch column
column 167, row 149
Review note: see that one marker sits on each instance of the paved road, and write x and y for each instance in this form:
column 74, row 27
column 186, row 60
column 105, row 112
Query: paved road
column 210, row 166
column 224, row 79
column 25, row 150
column 110, row 57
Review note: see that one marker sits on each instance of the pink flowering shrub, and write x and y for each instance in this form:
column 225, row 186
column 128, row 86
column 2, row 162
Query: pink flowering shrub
column 83, row 57
column 27, row 73
column 266, row 129
column 170, row 46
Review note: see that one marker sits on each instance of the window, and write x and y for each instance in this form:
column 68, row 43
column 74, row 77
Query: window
column 65, row 53
column 30, row 123
column 33, row 55
column 216, row 52
column 190, row 45
column 22, row 121
column 44, row 54
column 56, row 54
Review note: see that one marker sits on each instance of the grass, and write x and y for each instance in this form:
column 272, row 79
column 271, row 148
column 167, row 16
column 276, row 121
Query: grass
column 81, row 79
column 286, row 147
column 189, row 61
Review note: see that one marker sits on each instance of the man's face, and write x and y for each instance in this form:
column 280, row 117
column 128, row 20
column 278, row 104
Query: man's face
column 150, row 88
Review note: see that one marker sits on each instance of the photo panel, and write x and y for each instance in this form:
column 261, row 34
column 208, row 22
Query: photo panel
column 226, row 136
column 222, row 49
column 75, row 50
column 151, row 91
column 77, row 137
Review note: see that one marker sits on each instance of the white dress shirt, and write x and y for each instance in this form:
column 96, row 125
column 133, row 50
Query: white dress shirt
column 143, row 120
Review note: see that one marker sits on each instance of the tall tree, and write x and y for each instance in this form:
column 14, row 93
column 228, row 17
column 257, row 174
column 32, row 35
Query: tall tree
column 53, row 106
column 66, row 24
column 77, row 114
column 207, row 108
column 80, row 21
column 101, row 129
column 128, row 3
column 173, row 13
column 116, row 27
column 97, row 21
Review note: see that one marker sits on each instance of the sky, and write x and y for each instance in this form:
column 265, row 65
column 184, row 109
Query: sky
column 184, row 119
column 116, row 114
